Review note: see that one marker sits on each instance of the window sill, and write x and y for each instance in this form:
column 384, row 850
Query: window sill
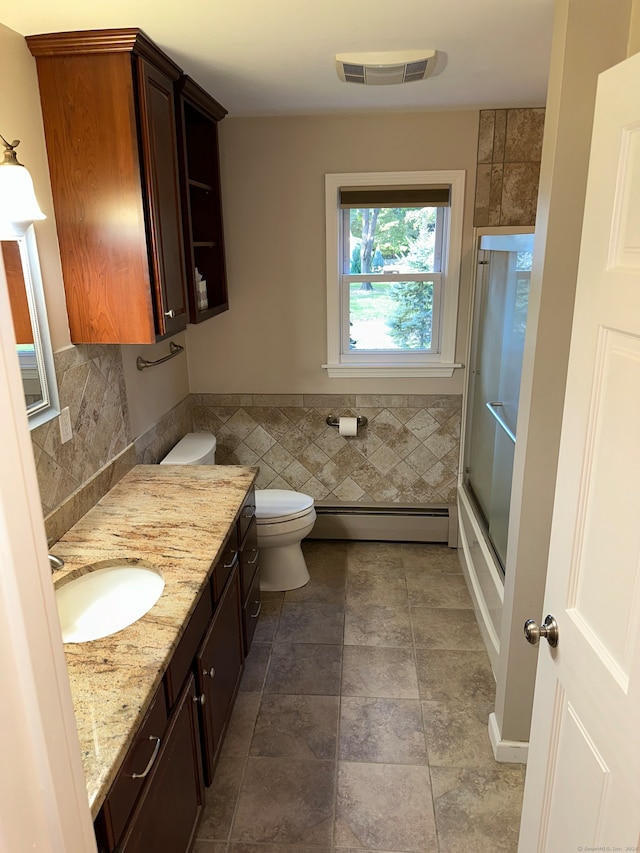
column 391, row 371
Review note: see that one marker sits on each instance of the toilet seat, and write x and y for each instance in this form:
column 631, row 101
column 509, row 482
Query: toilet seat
column 280, row 505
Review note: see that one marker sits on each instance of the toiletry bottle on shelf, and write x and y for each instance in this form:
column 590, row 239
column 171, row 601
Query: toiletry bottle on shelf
column 202, row 300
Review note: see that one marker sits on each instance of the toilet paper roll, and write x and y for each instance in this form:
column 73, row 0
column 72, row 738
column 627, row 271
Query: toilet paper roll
column 348, row 426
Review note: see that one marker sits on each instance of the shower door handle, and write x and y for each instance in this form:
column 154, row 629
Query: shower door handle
column 494, row 408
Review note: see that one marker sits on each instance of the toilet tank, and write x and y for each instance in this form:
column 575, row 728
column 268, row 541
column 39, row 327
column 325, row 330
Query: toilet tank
column 196, row 448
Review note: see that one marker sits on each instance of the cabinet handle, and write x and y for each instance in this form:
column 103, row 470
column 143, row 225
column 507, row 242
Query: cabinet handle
column 232, row 563
column 251, row 562
column 210, row 672
column 154, row 755
column 200, row 699
column 170, row 313
column 257, row 613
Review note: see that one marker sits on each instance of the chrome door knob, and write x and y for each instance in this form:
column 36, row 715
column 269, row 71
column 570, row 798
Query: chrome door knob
column 170, row 313
column 548, row 630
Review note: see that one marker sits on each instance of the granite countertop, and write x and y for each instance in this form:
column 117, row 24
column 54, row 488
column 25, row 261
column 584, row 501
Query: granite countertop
column 174, row 518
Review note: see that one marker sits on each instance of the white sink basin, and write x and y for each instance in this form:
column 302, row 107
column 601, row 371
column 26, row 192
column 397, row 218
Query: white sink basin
column 104, row 601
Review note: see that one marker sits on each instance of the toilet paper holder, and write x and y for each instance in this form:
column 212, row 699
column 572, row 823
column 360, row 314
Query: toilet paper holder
column 333, row 421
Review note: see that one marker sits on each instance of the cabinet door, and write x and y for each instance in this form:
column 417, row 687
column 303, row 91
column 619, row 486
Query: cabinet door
column 159, row 146
column 219, row 665
column 167, row 815
column 133, row 777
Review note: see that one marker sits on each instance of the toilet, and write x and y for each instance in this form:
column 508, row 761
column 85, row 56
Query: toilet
column 283, row 517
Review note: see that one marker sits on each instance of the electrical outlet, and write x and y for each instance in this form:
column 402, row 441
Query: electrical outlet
column 66, row 433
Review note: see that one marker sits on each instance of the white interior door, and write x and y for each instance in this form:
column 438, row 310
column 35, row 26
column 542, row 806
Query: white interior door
column 582, row 790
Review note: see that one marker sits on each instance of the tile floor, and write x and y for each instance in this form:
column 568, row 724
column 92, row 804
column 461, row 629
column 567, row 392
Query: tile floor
column 361, row 721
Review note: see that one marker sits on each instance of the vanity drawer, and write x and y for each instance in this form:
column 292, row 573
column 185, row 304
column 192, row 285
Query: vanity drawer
column 225, row 565
column 132, row 777
column 251, row 612
column 188, row 645
column 247, row 513
column 249, row 559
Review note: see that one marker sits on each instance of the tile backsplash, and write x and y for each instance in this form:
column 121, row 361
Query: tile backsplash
column 407, row 453
column 91, row 384
column 73, row 476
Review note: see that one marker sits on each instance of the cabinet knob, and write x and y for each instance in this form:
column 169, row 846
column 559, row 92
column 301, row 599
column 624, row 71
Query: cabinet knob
column 170, row 313
column 210, row 672
column 200, row 699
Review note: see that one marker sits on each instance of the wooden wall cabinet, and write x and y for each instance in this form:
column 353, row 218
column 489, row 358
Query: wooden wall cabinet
column 198, row 115
column 108, row 106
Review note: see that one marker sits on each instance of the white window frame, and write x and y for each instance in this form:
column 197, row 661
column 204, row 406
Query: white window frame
column 344, row 364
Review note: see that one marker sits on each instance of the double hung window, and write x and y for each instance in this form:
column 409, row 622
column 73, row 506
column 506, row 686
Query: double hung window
column 393, row 255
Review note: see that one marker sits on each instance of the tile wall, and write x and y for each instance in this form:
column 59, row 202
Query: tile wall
column 91, row 384
column 75, row 475
column 509, row 153
column 407, row 453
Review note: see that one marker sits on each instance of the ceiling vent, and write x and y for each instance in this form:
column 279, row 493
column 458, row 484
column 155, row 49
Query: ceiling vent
column 383, row 69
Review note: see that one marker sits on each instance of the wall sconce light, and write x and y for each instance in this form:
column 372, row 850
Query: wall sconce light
column 18, row 201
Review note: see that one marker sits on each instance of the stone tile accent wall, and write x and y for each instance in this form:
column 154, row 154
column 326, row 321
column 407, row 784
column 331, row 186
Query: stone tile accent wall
column 408, row 452
column 74, row 476
column 91, row 383
column 509, row 153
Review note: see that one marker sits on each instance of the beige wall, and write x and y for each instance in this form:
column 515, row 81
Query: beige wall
column 633, row 45
column 273, row 338
column 154, row 391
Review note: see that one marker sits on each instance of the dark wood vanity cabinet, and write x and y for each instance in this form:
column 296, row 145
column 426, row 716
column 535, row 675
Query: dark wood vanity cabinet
column 249, row 570
column 108, row 106
column 167, row 814
column 198, row 115
column 218, row 667
column 250, row 575
column 157, row 797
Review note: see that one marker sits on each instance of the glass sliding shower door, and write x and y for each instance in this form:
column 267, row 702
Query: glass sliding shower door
column 502, row 297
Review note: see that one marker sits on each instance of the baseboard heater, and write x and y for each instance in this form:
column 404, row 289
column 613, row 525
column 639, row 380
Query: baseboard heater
column 387, row 523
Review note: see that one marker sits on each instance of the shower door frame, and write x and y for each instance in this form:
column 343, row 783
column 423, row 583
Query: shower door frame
column 480, row 563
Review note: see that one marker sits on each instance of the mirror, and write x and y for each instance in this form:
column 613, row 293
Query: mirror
column 33, row 343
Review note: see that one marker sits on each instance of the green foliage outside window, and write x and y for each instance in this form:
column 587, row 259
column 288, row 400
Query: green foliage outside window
column 411, row 319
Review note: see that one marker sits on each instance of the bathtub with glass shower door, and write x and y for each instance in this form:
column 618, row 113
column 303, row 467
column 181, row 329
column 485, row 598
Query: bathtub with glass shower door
column 495, row 366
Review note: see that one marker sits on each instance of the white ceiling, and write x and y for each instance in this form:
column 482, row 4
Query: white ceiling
column 276, row 57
